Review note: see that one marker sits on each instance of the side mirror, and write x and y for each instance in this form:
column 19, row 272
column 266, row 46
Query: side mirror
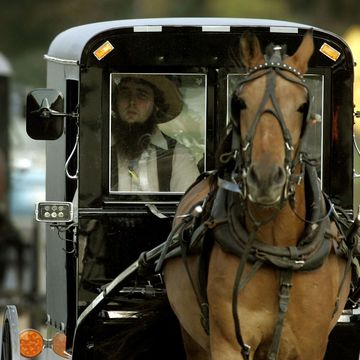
column 45, row 114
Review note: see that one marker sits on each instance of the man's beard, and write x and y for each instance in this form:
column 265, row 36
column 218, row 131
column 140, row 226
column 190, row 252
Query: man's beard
column 132, row 139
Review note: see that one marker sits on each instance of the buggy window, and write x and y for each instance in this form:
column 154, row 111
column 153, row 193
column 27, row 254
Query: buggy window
column 313, row 137
column 157, row 131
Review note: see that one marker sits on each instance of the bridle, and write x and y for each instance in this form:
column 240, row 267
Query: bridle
column 236, row 179
column 241, row 150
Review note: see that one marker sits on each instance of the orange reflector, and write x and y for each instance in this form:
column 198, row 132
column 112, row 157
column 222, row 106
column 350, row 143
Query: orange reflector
column 31, row 343
column 59, row 345
column 103, row 50
column 329, row 51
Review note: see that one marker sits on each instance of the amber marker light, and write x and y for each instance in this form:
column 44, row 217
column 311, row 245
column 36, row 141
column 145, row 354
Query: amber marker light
column 103, row 50
column 329, row 51
column 31, row 343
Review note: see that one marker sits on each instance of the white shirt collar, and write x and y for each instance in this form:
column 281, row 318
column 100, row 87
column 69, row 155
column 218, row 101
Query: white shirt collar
column 158, row 139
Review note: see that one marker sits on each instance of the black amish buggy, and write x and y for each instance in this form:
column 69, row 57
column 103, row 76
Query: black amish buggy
column 106, row 222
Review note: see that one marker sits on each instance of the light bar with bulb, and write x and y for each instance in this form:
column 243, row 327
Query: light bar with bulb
column 54, row 211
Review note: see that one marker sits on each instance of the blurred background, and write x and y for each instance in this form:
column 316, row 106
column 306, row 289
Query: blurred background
column 28, row 28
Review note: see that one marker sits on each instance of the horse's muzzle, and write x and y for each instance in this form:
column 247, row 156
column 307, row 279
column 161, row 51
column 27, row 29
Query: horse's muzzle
column 265, row 184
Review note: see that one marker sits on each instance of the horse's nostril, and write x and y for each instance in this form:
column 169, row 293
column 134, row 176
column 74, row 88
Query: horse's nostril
column 252, row 175
column 279, row 175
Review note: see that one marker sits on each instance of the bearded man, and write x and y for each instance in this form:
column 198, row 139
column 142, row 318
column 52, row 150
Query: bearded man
column 142, row 157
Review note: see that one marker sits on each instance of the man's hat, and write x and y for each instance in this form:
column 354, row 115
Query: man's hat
column 172, row 98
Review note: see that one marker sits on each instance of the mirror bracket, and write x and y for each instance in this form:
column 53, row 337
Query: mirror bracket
column 45, row 111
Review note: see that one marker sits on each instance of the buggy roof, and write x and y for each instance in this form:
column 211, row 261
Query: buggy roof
column 70, row 44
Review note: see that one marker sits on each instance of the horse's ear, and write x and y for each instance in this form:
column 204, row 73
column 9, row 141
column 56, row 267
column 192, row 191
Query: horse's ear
column 302, row 55
column 250, row 50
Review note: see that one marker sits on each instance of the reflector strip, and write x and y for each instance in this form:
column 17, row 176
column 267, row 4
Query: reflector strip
column 284, row 29
column 329, row 51
column 213, row 28
column 148, row 28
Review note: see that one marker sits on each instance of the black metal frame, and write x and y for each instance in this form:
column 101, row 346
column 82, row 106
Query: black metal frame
column 209, row 53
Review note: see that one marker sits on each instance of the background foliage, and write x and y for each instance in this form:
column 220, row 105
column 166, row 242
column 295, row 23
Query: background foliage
column 29, row 26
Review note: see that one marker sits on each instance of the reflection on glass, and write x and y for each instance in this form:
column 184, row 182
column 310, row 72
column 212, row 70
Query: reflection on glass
column 313, row 137
column 157, row 131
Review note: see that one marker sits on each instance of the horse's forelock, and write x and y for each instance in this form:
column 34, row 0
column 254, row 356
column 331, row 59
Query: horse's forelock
column 277, row 55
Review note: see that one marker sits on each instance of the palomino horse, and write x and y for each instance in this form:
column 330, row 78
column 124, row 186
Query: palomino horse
column 259, row 277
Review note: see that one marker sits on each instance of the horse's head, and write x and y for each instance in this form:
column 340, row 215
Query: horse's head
column 269, row 111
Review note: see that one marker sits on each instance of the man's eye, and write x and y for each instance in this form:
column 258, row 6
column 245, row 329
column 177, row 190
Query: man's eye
column 143, row 96
column 125, row 94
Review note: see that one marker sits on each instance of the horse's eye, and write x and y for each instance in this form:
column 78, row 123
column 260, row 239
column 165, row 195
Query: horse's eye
column 303, row 108
column 237, row 104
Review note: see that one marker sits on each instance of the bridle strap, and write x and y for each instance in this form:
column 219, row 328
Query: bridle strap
column 276, row 112
column 242, row 152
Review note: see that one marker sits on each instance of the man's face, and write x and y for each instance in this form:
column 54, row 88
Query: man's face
column 135, row 101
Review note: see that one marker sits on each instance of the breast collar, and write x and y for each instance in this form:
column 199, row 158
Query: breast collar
column 308, row 254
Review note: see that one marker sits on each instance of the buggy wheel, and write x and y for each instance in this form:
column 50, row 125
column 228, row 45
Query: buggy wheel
column 10, row 344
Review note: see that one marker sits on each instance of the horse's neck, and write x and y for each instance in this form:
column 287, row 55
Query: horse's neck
column 283, row 229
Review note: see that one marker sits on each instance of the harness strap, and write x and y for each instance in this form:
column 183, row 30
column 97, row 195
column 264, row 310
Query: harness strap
column 200, row 297
column 284, row 297
column 342, row 283
column 257, row 265
column 203, row 281
column 245, row 349
column 172, row 238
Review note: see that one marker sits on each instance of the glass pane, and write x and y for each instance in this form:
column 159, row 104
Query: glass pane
column 313, row 139
column 157, row 131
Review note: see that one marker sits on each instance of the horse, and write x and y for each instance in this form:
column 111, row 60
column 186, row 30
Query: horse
column 260, row 275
